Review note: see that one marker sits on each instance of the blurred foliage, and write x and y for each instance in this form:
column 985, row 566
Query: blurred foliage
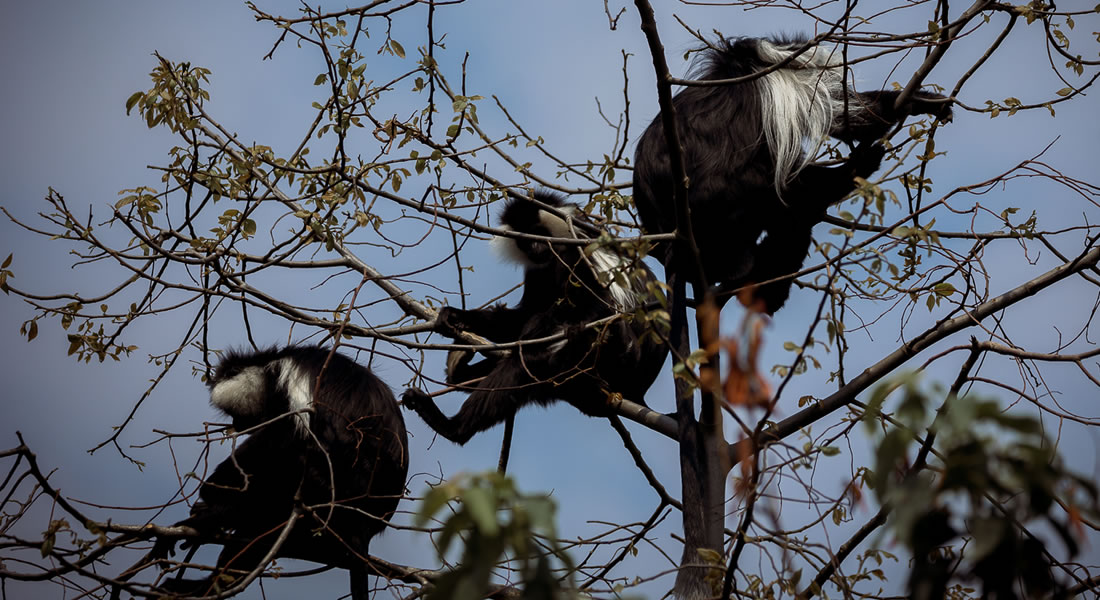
column 995, row 476
column 495, row 520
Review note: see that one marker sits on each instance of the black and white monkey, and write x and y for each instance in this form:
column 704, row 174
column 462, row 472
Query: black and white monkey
column 564, row 288
column 745, row 155
column 329, row 433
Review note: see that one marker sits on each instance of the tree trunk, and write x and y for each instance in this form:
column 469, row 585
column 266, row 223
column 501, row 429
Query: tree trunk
column 702, row 470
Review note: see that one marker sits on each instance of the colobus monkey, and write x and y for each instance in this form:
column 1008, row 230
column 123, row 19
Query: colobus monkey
column 744, row 153
column 328, row 430
column 564, row 288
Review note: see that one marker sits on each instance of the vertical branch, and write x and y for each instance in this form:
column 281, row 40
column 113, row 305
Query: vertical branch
column 685, row 238
column 947, row 35
column 701, row 473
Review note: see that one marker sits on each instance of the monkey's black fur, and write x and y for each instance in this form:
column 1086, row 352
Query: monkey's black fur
column 563, row 289
column 744, row 156
column 351, row 448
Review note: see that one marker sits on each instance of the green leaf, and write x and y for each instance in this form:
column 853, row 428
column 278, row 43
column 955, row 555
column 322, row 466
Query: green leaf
column 47, row 545
column 435, row 499
column 133, row 100
column 397, row 49
column 320, row 79
column 711, row 557
column 987, row 532
column 891, row 449
column 1021, row 424
column 479, row 505
column 7, row 262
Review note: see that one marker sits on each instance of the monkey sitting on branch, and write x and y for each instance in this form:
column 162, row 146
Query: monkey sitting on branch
column 326, row 446
column 753, row 193
column 579, row 297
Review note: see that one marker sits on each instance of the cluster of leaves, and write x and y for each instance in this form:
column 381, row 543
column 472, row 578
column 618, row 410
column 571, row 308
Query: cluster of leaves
column 168, row 101
column 495, row 520
column 995, row 470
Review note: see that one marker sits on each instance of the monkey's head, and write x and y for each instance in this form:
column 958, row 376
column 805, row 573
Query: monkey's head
column 254, row 387
column 524, row 216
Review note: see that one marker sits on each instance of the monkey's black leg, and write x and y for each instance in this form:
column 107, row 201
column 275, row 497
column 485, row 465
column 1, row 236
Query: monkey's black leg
column 782, row 252
column 360, row 586
column 240, row 558
column 498, row 396
column 183, row 586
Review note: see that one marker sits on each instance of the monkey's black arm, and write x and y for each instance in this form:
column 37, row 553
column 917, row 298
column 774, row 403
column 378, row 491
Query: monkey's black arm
column 872, row 114
column 497, row 323
column 817, row 187
column 789, row 232
column 238, row 487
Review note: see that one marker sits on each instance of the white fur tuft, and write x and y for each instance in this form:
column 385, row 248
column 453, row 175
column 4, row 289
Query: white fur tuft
column 800, row 103
column 604, row 261
column 507, row 249
column 298, row 386
column 240, row 395
column 608, row 263
column 556, row 225
column 506, row 246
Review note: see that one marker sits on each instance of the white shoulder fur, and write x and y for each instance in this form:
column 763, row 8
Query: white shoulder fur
column 298, row 386
column 800, row 102
column 243, row 394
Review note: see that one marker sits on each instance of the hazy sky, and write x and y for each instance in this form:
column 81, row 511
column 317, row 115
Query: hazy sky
column 66, row 69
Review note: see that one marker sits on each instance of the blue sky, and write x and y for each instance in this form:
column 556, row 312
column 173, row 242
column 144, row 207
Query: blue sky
column 66, row 69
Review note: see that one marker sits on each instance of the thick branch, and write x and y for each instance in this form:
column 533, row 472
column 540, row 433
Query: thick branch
column 895, row 359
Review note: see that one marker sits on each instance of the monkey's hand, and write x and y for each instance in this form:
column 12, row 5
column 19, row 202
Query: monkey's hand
column 930, row 103
column 415, row 399
column 199, row 509
column 163, row 548
column 450, row 322
column 866, row 159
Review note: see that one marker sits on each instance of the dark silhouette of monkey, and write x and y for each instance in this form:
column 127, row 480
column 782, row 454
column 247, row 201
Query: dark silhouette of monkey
column 754, row 197
column 564, row 288
column 327, row 437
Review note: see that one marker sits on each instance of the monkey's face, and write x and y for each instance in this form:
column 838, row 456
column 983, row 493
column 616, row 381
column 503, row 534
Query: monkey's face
column 239, row 392
column 245, row 387
column 534, row 253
